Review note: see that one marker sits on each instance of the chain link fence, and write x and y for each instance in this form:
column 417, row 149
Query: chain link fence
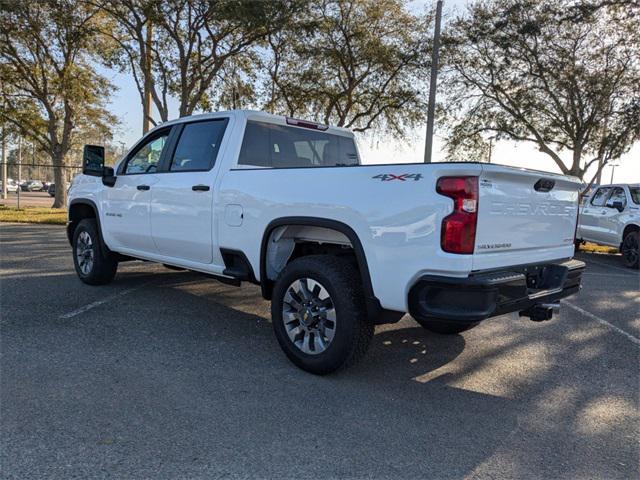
column 32, row 184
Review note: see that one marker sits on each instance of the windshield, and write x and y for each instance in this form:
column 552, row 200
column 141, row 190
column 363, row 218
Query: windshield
column 635, row 194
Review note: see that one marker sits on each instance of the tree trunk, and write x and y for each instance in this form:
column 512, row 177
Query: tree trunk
column 60, row 179
column 575, row 170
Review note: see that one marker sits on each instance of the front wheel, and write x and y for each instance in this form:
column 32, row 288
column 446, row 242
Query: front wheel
column 319, row 314
column 444, row 327
column 93, row 265
column 629, row 250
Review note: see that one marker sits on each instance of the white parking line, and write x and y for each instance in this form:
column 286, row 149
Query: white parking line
column 97, row 303
column 602, row 321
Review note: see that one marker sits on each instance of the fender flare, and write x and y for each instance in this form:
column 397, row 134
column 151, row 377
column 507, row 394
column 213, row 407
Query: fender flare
column 374, row 309
column 90, row 203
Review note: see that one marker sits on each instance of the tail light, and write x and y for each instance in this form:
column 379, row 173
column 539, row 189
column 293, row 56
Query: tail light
column 459, row 228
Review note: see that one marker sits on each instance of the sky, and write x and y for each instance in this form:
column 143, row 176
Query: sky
column 125, row 104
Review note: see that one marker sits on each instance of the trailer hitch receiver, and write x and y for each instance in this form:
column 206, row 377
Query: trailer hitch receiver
column 541, row 311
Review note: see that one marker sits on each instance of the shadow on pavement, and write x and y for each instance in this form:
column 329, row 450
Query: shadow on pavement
column 184, row 378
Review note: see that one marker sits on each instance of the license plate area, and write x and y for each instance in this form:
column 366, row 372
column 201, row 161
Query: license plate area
column 544, row 277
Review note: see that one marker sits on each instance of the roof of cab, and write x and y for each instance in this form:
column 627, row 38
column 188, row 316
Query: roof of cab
column 251, row 115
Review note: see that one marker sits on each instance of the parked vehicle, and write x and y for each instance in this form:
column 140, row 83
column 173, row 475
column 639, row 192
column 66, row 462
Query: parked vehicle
column 12, row 187
column 335, row 245
column 31, row 186
column 611, row 216
column 52, row 189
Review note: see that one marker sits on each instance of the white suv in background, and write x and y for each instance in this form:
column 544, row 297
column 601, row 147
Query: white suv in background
column 611, row 216
column 12, row 187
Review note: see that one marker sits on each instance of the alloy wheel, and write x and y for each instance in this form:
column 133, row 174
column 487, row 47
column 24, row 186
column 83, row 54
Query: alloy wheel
column 84, row 253
column 309, row 316
column 630, row 249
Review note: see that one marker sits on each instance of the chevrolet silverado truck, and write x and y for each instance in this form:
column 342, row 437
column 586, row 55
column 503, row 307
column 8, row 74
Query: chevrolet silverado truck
column 337, row 246
column 611, row 216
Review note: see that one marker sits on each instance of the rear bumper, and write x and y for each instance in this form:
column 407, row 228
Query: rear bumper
column 487, row 294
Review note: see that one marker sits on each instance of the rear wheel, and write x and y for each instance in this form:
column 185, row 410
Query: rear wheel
column 444, row 327
column 93, row 265
column 319, row 314
column 629, row 249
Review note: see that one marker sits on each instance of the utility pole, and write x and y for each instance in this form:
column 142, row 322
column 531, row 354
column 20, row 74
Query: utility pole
column 4, row 165
column 146, row 102
column 19, row 168
column 431, row 107
column 605, row 128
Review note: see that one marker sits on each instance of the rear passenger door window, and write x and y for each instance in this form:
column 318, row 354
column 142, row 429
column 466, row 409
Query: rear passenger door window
column 198, row 146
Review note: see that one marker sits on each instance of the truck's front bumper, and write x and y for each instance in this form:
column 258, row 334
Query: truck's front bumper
column 487, row 294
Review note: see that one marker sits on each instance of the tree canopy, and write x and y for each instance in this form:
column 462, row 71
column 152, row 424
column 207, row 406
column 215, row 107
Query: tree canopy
column 193, row 42
column 355, row 64
column 50, row 89
column 525, row 70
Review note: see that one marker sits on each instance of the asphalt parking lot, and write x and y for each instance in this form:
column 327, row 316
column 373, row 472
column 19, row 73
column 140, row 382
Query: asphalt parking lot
column 28, row 199
column 166, row 374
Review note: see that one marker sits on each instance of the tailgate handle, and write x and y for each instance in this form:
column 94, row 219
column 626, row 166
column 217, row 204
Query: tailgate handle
column 544, row 185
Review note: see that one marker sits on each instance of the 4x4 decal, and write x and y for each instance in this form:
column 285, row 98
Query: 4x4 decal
column 387, row 177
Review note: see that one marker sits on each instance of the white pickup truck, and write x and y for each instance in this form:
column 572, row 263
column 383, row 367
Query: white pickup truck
column 611, row 216
column 335, row 245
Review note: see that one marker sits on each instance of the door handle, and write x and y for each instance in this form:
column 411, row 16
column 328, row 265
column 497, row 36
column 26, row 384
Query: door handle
column 143, row 187
column 200, row 188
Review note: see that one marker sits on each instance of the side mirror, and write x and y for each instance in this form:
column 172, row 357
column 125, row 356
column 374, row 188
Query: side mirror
column 108, row 177
column 93, row 160
column 618, row 205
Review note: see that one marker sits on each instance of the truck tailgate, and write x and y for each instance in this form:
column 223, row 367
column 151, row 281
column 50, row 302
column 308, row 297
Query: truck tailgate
column 524, row 217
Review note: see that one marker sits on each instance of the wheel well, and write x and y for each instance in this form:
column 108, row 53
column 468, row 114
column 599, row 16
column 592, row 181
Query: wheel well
column 288, row 242
column 77, row 213
column 292, row 237
column 627, row 229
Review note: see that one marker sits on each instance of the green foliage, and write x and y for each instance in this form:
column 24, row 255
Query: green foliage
column 195, row 45
column 525, row 70
column 355, row 63
column 50, row 90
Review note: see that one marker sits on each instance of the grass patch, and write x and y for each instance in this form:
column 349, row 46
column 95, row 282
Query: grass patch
column 593, row 248
column 56, row 216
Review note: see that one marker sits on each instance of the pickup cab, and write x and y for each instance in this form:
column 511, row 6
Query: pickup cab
column 610, row 216
column 337, row 246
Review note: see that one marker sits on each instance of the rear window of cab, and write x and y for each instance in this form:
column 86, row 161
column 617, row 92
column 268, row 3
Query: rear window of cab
column 268, row 145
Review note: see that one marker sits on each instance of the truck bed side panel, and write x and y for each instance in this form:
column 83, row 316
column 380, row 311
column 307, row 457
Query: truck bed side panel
column 397, row 218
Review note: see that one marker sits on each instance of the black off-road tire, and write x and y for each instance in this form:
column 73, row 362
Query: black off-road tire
column 104, row 265
column 445, row 328
column 353, row 329
column 629, row 250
